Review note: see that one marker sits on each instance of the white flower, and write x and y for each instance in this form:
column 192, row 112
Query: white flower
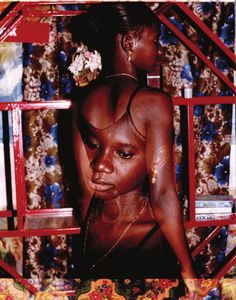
column 81, row 48
column 48, row 143
column 94, row 61
column 84, row 59
column 77, row 65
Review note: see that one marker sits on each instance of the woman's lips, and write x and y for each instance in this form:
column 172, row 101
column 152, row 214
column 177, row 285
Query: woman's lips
column 100, row 186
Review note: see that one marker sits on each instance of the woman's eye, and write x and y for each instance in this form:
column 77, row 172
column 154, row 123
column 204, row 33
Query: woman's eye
column 125, row 155
column 92, row 145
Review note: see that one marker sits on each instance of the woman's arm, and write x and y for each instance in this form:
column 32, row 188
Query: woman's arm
column 160, row 167
column 83, row 169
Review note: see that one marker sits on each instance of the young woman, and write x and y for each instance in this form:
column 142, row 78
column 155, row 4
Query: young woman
column 123, row 147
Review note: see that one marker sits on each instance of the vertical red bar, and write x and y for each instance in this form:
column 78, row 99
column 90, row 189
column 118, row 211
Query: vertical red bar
column 191, row 164
column 19, row 166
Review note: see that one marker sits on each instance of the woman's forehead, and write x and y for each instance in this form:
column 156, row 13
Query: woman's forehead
column 118, row 135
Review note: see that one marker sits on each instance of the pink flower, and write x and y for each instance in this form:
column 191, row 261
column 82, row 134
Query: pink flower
column 136, row 290
column 9, row 297
column 164, row 283
column 107, row 291
column 87, row 54
column 95, row 296
column 2, row 287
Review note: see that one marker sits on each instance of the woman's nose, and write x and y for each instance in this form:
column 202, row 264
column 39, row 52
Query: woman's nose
column 102, row 163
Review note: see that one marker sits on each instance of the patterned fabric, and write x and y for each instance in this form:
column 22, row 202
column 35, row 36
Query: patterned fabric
column 12, row 290
column 150, row 289
column 153, row 289
column 45, row 79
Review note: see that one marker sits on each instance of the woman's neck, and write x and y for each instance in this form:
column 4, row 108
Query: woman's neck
column 114, row 209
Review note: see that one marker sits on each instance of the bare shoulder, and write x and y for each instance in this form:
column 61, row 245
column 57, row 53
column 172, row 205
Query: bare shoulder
column 154, row 104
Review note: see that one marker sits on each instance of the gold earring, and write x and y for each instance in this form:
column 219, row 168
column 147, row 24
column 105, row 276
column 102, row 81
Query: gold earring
column 129, row 53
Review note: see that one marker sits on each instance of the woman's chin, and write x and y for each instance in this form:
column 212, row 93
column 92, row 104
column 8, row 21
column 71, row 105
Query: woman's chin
column 106, row 195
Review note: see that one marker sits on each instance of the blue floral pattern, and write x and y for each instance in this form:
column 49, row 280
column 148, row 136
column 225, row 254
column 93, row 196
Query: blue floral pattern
column 53, row 194
column 227, row 31
column 186, row 73
column 208, row 131
column 47, row 90
column 221, row 171
column 166, row 36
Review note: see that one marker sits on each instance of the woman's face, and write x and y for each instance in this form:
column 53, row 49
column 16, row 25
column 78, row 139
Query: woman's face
column 145, row 52
column 117, row 161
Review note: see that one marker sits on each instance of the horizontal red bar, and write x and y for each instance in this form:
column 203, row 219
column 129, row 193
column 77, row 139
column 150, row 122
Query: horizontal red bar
column 204, row 100
column 31, row 105
column 6, row 213
column 46, row 231
column 66, row 104
column 53, row 13
column 39, row 232
column 50, row 211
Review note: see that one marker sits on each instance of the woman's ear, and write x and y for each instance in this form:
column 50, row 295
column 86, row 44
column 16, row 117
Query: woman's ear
column 127, row 42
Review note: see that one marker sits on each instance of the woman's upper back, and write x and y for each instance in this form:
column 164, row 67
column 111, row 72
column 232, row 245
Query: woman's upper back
column 106, row 102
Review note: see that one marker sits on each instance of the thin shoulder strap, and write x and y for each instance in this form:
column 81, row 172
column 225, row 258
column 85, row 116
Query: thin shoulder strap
column 146, row 238
column 129, row 113
column 132, row 97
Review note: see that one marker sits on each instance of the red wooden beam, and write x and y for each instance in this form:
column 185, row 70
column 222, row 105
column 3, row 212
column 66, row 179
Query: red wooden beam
column 196, row 51
column 18, row 277
column 39, row 232
column 163, row 8
column 206, row 240
column 191, row 163
column 49, row 13
column 12, row 19
column 228, row 264
column 19, row 166
column 66, row 104
column 34, row 105
column 6, row 213
column 65, row 211
column 6, row 31
column 204, row 100
column 210, row 34
column 14, row 12
column 48, row 231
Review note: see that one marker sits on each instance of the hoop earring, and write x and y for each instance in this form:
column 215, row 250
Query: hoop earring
column 129, row 53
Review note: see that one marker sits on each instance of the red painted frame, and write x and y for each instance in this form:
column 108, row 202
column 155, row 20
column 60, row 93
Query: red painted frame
column 23, row 9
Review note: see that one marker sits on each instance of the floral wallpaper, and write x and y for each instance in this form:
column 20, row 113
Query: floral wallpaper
column 45, row 78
